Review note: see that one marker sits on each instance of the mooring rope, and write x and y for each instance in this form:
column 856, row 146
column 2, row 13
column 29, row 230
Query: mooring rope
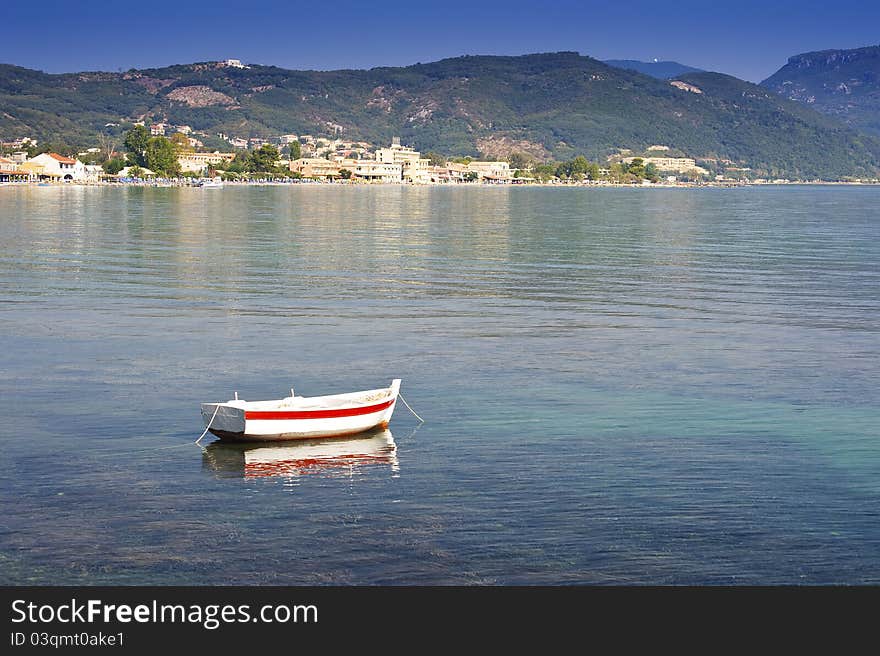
column 208, row 427
column 409, row 408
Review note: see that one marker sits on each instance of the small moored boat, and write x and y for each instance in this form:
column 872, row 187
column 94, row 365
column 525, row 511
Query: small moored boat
column 300, row 417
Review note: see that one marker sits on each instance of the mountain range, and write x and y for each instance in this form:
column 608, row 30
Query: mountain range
column 663, row 70
column 841, row 83
column 549, row 105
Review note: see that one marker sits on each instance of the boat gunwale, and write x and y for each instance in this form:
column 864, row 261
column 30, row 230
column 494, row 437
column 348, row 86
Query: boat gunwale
column 344, row 401
column 300, row 413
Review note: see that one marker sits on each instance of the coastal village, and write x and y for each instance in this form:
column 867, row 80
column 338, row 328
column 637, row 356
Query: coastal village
column 325, row 160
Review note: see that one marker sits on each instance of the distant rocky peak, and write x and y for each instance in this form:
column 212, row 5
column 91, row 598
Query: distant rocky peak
column 834, row 58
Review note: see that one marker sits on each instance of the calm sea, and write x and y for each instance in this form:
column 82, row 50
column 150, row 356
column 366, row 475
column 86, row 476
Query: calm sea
column 620, row 386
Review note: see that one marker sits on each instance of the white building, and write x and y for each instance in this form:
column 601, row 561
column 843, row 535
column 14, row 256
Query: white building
column 413, row 167
column 93, row 172
column 55, row 166
column 315, row 167
column 10, row 172
column 497, row 171
column 368, row 169
column 397, row 154
column 672, row 164
column 143, row 172
column 198, row 162
column 23, row 142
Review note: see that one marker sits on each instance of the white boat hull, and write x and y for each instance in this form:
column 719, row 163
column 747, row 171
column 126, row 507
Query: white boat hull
column 301, row 418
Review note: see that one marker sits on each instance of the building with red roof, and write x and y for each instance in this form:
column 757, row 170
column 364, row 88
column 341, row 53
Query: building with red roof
column 52, row 166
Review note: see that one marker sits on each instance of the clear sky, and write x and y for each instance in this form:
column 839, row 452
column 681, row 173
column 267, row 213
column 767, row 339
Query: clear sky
column 750, row 39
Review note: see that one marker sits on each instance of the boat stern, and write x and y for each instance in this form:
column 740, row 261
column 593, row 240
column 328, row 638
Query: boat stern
column 222, row 417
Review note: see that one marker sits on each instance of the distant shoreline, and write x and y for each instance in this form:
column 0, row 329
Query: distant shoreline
column 543, row 185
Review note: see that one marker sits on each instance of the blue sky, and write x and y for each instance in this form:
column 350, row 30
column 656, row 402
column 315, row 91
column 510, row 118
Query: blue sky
column 747, row 38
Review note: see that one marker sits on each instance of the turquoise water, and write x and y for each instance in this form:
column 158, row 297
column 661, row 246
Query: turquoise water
column 620, row 386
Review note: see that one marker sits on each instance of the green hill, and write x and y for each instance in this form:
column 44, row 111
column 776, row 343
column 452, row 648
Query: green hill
column 550, row 105
column 841, row 83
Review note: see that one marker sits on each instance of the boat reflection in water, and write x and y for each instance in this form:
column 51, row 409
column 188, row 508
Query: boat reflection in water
column 334, row 456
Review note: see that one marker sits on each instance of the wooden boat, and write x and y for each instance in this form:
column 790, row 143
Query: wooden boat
column 300, row 417
column 333, row 456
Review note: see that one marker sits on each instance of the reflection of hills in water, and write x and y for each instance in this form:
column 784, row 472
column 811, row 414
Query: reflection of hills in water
column 327, row 456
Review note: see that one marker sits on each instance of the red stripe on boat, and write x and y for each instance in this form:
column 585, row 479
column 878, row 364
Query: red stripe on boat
column 317, row 414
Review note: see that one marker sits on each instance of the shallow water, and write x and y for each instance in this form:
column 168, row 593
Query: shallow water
column 642, row 386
